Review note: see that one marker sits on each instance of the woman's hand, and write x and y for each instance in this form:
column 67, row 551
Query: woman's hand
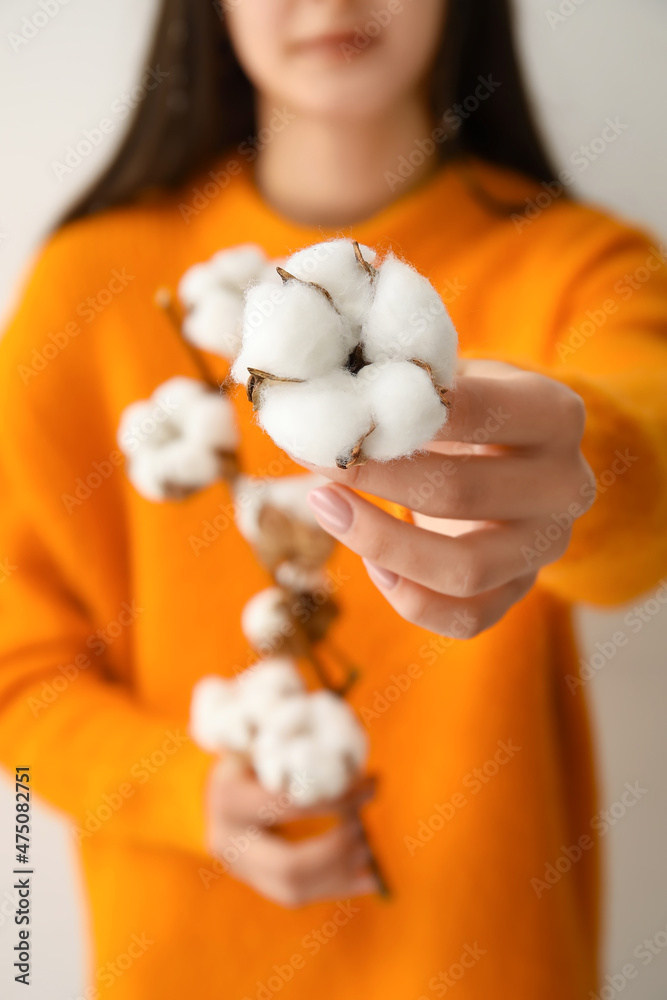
column 241, row 813
column 520, row 475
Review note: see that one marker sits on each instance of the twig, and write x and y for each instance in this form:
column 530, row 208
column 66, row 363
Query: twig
column 164, row 299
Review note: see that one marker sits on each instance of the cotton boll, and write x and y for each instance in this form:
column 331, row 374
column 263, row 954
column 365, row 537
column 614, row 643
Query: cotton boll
column 286, row 493
column 269, row 275
column 289, row 494
column 233, row 268
column 211, row 421
column 408, row 319
column 317, row 774
column 177, row 392
column 301, row 766
column 405, row 406
column 173, row 469
column 249, row 494
column 173, row 440
column 291, row 332
column 265, row 619
column 299, row 579
column 146, row 477
column 290, row 716
column 312, row 745
column 138, row 422
column 217, row 721
column 289, row 719
column 197, row 282
column 334, row 265
column 338, row 728
column 238, row 266
column 318, row 422
column 266, row 686
column 182, row 466
column 214, row 324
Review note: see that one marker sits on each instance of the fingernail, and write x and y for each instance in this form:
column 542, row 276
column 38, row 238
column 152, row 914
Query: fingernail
column 331, row 509
column 384, row 578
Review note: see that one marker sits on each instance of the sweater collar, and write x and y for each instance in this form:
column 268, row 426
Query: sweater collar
column 409, row 212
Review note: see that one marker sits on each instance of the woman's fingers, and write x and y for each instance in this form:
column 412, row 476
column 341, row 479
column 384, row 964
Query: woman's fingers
column 496, row 403
column 293, row 873
column 461, row 566
column 450, row 616
column 534, row 426
column 510, row 486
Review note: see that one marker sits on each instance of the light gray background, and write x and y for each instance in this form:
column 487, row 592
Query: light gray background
column 605, row 58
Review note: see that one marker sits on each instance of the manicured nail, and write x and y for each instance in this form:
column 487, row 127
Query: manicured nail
column 382, row 577
column 331, row 509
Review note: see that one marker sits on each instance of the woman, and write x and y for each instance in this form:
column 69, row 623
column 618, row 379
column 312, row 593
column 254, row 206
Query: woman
column 403, row 125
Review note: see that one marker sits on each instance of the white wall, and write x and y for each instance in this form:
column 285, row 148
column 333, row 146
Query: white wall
column 604, row 59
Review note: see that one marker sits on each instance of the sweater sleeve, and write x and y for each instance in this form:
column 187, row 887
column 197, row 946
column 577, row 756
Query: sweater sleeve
column 94, row 751
column 610, row 346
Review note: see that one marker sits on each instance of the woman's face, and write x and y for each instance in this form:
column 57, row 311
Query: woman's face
column 336, row 58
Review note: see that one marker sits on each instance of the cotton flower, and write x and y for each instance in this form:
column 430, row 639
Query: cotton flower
column 267, row 684
column 334, row 266
column 312, row 745
column 266, row 620
column 273, row 516
column 300, row 579
column 217, row 717
column 409, row 320
column 212, row 293
column 278, row 621
column 227, row 714
column 292, row 332
column 329, row 364
column 320, row 421
column 178, row 441
column 406, row 408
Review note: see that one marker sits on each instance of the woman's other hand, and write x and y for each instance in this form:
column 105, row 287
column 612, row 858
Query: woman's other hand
column 507, row 468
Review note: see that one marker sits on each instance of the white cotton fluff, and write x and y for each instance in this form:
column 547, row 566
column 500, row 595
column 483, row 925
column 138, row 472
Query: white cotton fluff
column 172, row 441
column 217, row 718
column 269, row 683
column 408, row 319
column 214, row 324
column 300, row 579
column 234, row 269
column 265, row 620
column 213, row 294
column 331, row 399
column 319, row 421
column 286, row 493
column 312, row 746
column 227, row 714
column 405, row 407
column 291, row 332
column 238, row 266
column 333, row 265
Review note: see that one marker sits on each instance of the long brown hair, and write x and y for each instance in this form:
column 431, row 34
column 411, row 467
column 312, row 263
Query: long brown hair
column 205, row 104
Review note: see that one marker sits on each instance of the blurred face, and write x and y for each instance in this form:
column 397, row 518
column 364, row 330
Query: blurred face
column 336, row 58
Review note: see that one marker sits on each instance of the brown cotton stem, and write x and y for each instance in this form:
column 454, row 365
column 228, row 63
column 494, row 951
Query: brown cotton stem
column 286, row 276
column 354, row 457
column 368, row 268
column 321, row 672
column 383, row 886
column 441, row 391
column 164, row 299
column 256, row 381
column 353, row 672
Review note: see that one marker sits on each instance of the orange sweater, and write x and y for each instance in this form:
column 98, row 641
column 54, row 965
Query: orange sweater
column 111, row 607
